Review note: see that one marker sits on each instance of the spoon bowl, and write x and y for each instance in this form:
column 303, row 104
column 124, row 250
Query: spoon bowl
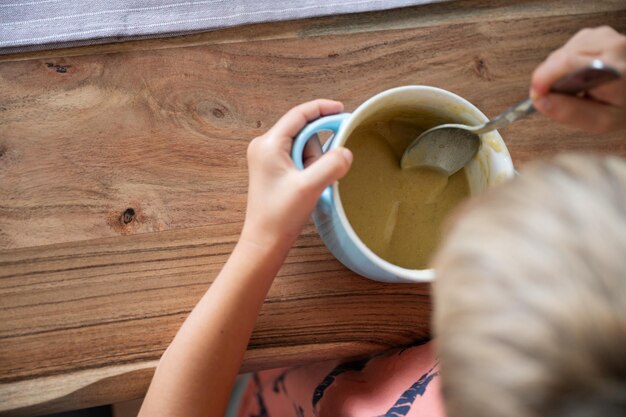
column 446, row 148
column 449, row 147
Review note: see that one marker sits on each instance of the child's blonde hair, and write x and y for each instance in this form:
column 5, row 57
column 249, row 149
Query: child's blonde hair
column 530, row 297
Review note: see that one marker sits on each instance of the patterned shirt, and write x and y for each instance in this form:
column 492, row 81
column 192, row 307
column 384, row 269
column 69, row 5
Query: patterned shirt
column 402, row 382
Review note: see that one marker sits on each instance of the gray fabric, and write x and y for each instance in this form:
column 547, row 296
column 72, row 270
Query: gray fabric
column 39, row 24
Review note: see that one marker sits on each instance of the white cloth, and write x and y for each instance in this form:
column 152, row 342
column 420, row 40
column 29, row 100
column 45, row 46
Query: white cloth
column 42, row 24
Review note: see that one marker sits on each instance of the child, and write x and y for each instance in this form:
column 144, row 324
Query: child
column 530, row 320
column 196, row 373
column 530, row 300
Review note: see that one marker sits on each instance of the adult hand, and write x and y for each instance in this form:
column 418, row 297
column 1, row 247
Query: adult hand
column 603, row 109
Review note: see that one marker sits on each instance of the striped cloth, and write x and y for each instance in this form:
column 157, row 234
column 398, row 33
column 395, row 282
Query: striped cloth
column 43, row 24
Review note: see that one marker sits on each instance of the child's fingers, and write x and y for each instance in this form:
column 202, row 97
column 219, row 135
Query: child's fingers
column 583, row 113
column 556, row 66
column 312, row 151
column 295, row 119
column 332, row 166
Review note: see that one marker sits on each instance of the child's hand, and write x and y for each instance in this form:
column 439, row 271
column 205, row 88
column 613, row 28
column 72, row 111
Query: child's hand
column 604, row 109
column 280, row 197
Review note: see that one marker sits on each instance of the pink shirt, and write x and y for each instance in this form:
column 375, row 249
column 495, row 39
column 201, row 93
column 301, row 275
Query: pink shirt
column 403, row 382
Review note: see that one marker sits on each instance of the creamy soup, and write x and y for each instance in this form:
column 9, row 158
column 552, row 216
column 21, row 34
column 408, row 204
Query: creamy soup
column 397, row 213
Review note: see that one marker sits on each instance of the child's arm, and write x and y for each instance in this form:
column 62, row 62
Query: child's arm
column 604, row 109
column 197, row 371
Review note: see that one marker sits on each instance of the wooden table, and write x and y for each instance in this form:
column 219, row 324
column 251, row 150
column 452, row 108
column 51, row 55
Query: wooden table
column 123, row 183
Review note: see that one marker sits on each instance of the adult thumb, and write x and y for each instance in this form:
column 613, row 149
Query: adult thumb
column 332, row 166
column 586, row 114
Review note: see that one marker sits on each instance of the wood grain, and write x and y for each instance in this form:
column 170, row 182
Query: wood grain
column 164, row 132
column 76, row 316
column 161, row 127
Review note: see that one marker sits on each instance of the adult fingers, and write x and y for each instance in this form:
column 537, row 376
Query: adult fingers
column 583, row 113
column 556, row 66
column 612, row 93
column 593, row 40
column 588, row 44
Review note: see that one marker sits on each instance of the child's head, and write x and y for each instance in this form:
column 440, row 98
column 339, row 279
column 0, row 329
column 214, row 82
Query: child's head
column 530, row 298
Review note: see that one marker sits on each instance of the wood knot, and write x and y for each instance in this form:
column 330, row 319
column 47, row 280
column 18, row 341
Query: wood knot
column 209, row 113
column 62, row 69
column 335, row 55
column 481, row 69
column 128, row 215
column 258, row 123
column 218, row 113
column 129, row 220
column 8, row 156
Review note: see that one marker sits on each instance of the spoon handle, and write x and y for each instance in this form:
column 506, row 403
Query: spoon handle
column 513, row 113
column 573, row 84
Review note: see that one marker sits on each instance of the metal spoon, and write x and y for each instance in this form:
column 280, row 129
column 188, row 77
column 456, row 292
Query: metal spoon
column 450, row 147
